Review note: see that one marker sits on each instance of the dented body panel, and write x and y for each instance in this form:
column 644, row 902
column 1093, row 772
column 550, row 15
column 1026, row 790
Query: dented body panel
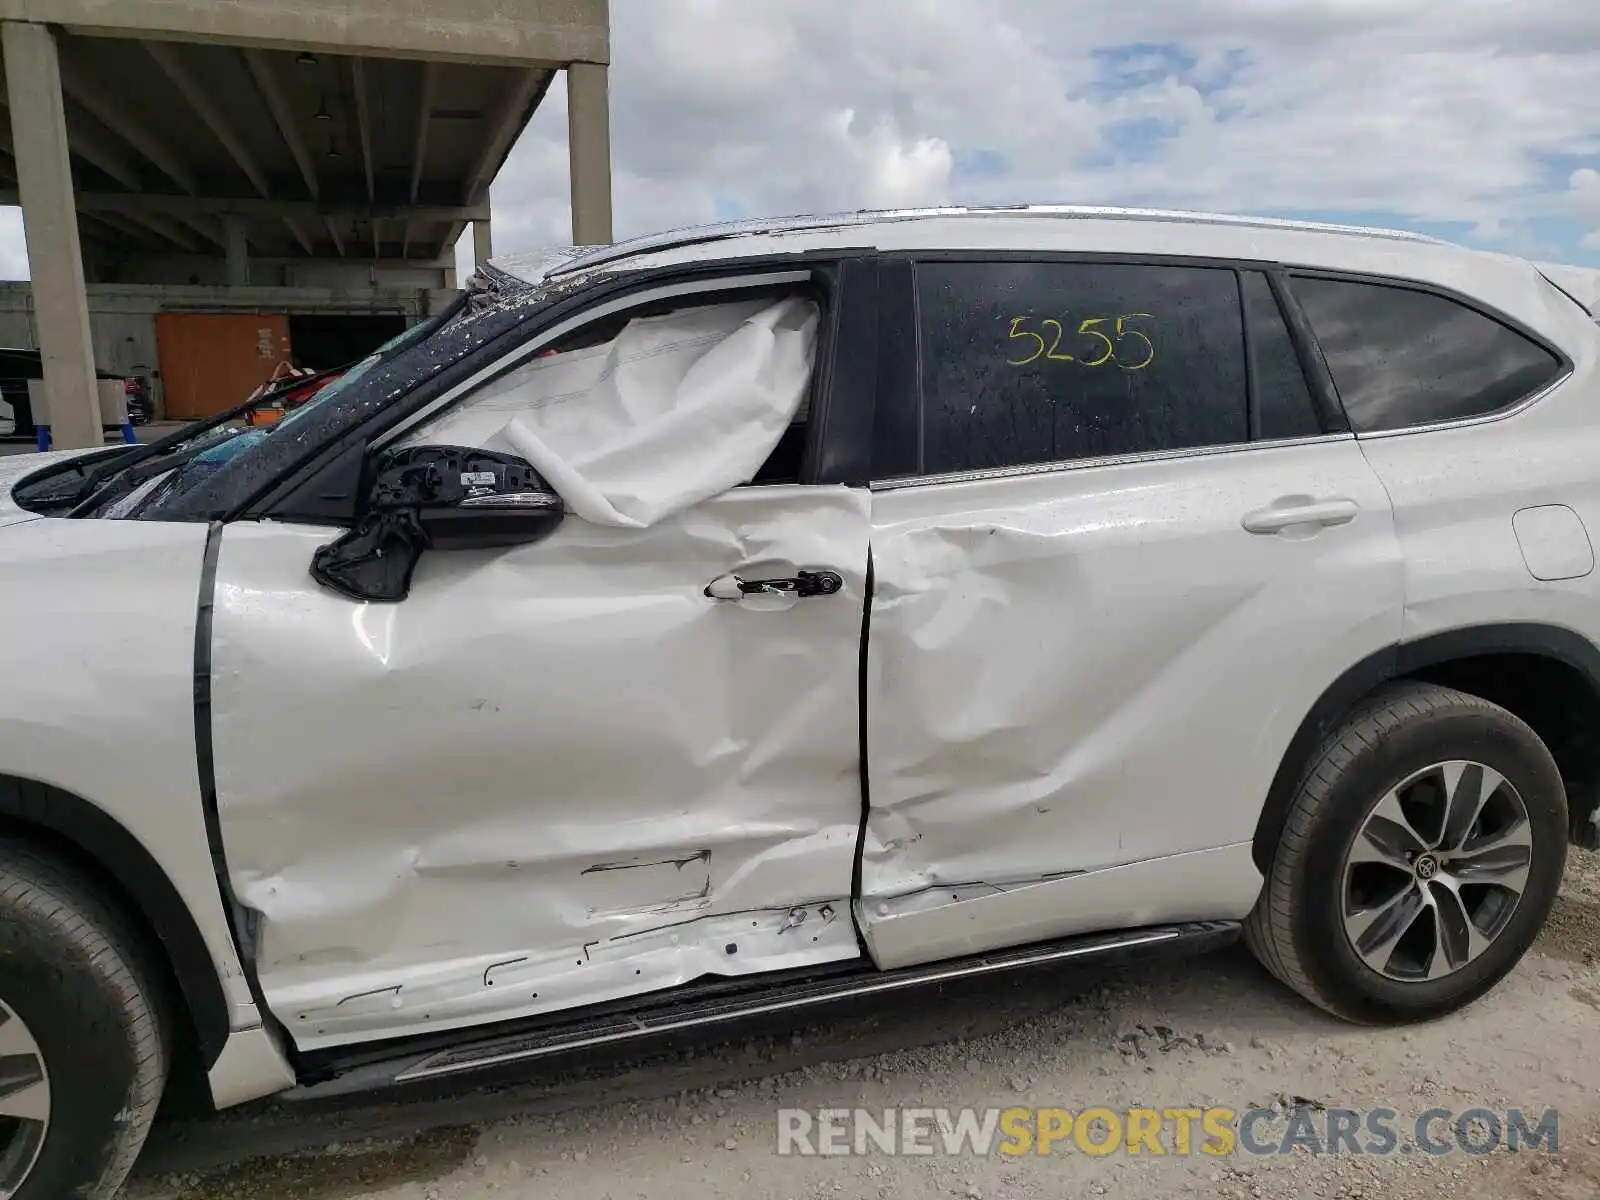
column 1090, row 666
column 554, row 775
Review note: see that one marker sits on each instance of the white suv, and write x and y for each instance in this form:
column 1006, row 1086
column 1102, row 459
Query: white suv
column 763, row 616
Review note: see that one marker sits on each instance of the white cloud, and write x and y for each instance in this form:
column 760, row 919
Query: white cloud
column 894, row 173
column 1463, row 111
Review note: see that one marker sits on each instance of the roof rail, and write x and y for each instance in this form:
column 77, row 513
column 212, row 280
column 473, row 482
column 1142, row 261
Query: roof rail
column 585, row 258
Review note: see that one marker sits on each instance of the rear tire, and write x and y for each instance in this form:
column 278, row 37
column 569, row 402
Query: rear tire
column 84, row 1039
column 1365, row 850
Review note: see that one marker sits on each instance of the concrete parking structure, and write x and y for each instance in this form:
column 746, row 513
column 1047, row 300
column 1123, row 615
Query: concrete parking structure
column 332, row 145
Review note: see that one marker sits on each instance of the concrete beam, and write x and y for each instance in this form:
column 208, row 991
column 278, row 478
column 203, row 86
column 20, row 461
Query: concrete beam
column 246, row 206
column 238, row 264
column 427, row 90
column 207, row 227
column 452, row 235
column 333, row 232
column 178, row 234
column 55, row 254
column 299, row 235
column 278, row 104
column 483, row 31
column 358, row 81
column 166, row 56
column 520, row 100
column 482, row 242
column 117, row 230
column 113, row 114
column 589, row 153
column 89, row 144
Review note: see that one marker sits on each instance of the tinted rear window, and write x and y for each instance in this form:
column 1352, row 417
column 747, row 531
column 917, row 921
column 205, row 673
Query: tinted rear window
column 1401, row 357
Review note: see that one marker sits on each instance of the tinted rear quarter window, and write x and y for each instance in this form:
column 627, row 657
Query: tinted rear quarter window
column 1050, row 361
column 1401, row 357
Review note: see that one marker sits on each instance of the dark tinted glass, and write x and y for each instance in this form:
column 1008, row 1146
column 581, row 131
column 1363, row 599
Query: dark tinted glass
column 1283, row 401
column 1043, row 362
column 1401, row 357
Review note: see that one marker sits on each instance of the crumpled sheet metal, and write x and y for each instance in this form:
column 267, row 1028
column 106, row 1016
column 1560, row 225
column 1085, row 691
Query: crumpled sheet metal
column 674, row 410
column 1073, row 670
column 543, row 753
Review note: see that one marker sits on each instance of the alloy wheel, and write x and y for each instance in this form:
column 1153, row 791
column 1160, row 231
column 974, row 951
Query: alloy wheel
column 24, row 1102
column 1436, row 871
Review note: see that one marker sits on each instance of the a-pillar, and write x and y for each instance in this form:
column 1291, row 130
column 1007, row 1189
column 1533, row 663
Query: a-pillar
column 238, row 251
column 589, row 153
column 50, row 220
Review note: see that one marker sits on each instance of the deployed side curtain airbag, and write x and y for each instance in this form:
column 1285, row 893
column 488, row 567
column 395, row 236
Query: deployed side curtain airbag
column 674, row 410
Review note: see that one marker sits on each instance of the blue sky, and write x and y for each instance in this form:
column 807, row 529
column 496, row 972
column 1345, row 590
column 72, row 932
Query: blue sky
column 1474, row 120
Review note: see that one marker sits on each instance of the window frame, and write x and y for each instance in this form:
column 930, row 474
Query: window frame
column 1473, row 304
column 1319, row 381
column 325, row 487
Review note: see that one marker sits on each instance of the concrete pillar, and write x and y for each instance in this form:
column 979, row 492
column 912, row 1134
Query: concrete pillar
column 589, row 153
column 50, row 220
column 238, row 269
column 482, row 242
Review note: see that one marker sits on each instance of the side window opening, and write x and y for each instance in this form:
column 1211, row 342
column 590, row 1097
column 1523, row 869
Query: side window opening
column 1402, row 357
column 1034, row 362
column 786, row 463
column 646, row 411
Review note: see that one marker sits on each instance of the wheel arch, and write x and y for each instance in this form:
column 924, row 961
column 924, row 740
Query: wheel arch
column 1498, row 662
column 89, row 838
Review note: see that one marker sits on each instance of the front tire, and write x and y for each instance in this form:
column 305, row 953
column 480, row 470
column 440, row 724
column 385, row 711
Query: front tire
column 83, row 1054
column 1418, row 861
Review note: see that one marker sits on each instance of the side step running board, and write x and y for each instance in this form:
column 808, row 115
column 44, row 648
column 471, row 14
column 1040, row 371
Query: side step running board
column 679, row 1015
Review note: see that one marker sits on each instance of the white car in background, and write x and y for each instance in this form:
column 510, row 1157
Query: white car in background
column 772, row 615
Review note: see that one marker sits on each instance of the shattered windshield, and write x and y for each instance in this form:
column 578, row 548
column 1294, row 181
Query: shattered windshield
column 227, row 473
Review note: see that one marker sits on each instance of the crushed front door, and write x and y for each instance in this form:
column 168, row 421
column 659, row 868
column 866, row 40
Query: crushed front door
column 553, row 775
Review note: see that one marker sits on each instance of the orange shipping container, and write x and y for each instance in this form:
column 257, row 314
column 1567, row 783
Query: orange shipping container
column 212, row 362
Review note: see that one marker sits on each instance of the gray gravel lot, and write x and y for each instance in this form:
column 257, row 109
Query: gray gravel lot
column 1213, row 1030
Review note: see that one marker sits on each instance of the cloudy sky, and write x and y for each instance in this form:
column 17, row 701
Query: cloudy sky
column 1477, row 120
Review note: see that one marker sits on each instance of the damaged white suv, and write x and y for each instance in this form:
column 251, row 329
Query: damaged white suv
column 755, row 618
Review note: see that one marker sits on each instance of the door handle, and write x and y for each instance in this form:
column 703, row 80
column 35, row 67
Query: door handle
column 1300, row 510
column 799, row 585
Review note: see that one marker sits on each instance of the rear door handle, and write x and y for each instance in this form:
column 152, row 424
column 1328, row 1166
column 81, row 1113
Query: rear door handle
column 800, row 585
column 1288, row 511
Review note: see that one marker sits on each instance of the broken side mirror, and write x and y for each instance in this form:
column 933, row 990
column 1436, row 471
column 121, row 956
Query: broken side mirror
column 434, row 498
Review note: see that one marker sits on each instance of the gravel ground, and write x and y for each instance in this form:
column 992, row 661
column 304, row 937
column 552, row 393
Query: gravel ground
column 1211, row 1030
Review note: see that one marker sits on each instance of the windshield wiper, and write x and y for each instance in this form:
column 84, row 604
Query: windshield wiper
column 115, row 468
